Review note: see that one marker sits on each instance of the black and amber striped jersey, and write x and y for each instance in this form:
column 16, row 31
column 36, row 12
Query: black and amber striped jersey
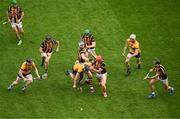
column 47, row 47
column 15, row 13
column 101, row 66
column 80, row 52
column 161, row 72
column 88, row 40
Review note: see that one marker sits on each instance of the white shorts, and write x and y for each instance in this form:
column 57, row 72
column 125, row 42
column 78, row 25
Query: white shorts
column 91, row 50
column 29, row 78
column 100, row 76
column 47, row 56
column 164, row 81
column 18, row 25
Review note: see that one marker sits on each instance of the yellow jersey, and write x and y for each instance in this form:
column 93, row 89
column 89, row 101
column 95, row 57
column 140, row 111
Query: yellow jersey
column 48, row 47
column 26, row 69
column 78, row 67
column 134, row 46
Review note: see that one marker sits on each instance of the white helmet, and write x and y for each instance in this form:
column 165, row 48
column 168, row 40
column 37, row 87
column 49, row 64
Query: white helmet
column 132, row 36
column 81, row 43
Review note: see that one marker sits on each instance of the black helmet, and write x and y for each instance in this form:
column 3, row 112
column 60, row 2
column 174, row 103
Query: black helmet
column 157, row 61
column 29, row 60
column 86, row 68
column 48, row 38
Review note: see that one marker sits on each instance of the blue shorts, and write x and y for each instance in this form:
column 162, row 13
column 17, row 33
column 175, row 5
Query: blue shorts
column 137, row 56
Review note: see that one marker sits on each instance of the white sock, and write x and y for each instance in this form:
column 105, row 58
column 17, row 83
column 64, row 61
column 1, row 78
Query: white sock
column 153, row 93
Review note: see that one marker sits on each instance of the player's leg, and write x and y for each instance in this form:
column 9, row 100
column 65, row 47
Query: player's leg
column 89, row 81
column 138, row 61
column 20, row 28
column 20, row 31
column 92, row 52
column 18, row 78
column 152, row 83
column 167, row 87
column 46, row 65
column 87, row 54
column 103, row 84
column 127, row 62
column 43, row 56
column 98, row 76
column 80, row 84
column 75, row 79
column 47, row 59
column 28, row 81
column 43, row 60
column 15, row 29
column 71, row 74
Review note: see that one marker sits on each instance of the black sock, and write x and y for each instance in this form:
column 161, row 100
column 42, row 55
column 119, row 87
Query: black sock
column 43, row 59
column 45, row 71
column 24, row 86
column 11, row 85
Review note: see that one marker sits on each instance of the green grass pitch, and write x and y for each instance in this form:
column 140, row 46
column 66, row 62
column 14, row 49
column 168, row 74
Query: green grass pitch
column 157, row 25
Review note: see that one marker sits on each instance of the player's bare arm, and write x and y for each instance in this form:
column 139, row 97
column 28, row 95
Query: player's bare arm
column 36, row 71
column 20, row 73
column 22, row 15
column 57, row 46
column 41, row 51
column 97, row 70
column 153, row 77
column 151, row 70
column 84, row 57
column 136, row 53
column 91, row 46
column 8, row 16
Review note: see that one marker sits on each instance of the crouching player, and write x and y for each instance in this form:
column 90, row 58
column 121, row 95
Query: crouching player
column 25, row 74
column 77, row 75
column 135, row 51
column 160, row 75
column 101, row 74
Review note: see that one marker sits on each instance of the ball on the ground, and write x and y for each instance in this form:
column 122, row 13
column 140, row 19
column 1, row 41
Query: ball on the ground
column 44, row 76
column 81, row 109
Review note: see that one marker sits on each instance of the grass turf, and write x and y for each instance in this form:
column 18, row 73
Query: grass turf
column 156, row 24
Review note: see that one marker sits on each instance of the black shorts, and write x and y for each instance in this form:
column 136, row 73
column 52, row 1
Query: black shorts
column 80, row 74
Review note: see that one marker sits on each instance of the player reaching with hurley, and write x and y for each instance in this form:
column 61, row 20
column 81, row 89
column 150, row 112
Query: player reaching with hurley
column 80, row 67
column 46, row 50
column 89, row 42
column 25, row 74
column 160, row 75
column 82, row 57
column 78, row 70
column 15, row 16
column 135, row 51
column 101, row 73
